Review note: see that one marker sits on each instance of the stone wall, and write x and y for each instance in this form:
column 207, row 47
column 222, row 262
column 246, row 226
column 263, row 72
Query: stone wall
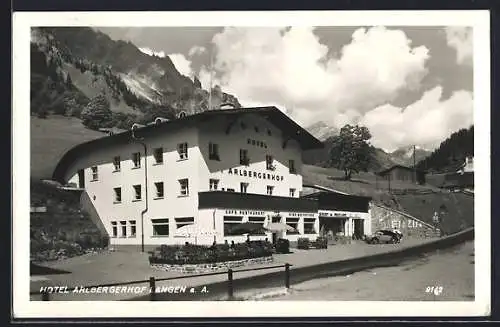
column 411, row 227
column 211, row 267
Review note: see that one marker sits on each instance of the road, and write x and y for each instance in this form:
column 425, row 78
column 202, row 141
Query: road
column 451, row 271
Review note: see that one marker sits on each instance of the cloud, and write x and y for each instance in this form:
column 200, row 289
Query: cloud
column 426, row 122
column 182, row 64
column 460, row 38
column 290, row 68
column 151, row 52
column 196, row 50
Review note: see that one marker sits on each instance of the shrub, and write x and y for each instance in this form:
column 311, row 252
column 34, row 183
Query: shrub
column 321, row 243
column 303, row 243
column 194, row 254
column 282, row 246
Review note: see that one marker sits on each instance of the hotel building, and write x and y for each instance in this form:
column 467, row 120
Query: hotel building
column 213, row 170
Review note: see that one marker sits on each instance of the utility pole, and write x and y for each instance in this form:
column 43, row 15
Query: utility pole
column 414, row 164
column 211, row 78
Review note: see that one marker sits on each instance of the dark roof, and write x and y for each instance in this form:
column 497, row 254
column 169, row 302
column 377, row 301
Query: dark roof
column 234, row 200
column 289, row 128
column 341, row 202
column 385, row 171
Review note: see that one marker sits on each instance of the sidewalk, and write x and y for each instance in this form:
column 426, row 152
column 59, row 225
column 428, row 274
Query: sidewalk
column 116, row 267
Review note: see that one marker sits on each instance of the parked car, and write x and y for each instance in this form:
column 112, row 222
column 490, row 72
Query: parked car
column 384, row 236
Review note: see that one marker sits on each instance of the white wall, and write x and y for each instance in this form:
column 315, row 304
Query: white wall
column 197, row 168
column 229, row 151
column 172, row 169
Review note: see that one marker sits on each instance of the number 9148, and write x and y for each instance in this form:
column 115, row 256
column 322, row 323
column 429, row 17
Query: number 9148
column 436, row 290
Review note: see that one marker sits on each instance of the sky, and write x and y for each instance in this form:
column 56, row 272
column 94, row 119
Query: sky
column 408, row 85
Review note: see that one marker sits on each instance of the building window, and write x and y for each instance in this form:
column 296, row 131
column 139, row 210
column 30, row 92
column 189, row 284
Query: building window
column 244, row 159
column 182, row 149
column 184, row 184
column 180, row 222
column 396, row 224
column 117, row 163
column 160, row 227
column 270, row 190
column 257, row 220
column 158, row 155
column 133, row 228
column 136, row 158
column 118, row 194
column 95, row 174
column 243, row 187
column 114, row 229
column 269, row 132
column 256, row 129
column 123, row 225
column 291, row 166
column 292, row 192
column 309, row 225
column 213, row 151
column 159, row 190
column 229, row 223
column 214, row 184
column 137, row 192
column 293, row 222
column 276, row 219
column 269, row 162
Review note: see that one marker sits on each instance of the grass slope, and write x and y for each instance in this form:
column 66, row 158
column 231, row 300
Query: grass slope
column 51, row 138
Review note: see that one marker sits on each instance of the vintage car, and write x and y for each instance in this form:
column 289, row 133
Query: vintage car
column 384, row 236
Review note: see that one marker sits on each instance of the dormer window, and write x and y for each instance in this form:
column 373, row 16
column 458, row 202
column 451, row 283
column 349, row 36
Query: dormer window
column 269, row 132
column 244, row 159
column 291, row 166
column 256, row 129
column 158, row 155
column 136, row 158
column 182, row 149
column 269, row 163
column 213, row 151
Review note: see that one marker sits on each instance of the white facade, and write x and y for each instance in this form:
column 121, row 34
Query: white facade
column 116, row 196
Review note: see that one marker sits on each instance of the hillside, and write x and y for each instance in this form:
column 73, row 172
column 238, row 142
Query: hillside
column 72, row 65
column 455, row 209
column 451, row 153
column 51, row 138
column 379, row 158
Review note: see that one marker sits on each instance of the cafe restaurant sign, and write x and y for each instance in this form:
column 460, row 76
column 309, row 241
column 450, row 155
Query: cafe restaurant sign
column 254, row 174
column 244, row 212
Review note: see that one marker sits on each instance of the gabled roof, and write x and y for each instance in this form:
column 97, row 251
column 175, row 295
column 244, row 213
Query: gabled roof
column 289, row 128
column 385, row 171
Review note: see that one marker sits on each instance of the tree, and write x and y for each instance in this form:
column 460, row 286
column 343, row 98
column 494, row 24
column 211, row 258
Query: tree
column 350, row 151
column 97, row 113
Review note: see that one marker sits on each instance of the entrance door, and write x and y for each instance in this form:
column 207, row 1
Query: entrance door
column 359, row 228
column 81, row 179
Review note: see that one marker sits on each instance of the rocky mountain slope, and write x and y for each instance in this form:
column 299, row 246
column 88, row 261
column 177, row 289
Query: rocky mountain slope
column 71, row 65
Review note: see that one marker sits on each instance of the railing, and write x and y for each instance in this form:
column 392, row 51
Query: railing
column 45, row 293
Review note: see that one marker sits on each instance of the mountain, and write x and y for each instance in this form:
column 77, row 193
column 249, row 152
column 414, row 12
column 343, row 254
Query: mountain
column 451, row 153
column 71, row 65
column 322, row 130
column 404, row 156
